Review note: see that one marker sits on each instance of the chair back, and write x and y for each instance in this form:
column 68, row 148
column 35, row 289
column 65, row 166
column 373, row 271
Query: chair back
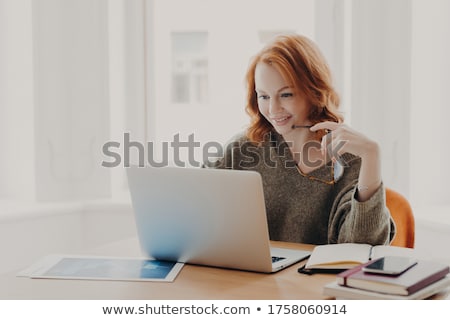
column 403, row 217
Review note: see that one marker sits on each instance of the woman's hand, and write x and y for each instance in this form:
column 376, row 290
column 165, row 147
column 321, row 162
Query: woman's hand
column 341, row 139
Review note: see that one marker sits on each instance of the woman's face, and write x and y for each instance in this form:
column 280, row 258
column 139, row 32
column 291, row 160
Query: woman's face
column 278, row 102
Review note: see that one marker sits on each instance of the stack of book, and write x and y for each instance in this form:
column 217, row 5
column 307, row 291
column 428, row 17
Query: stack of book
column 423, row 280
column 420, row 281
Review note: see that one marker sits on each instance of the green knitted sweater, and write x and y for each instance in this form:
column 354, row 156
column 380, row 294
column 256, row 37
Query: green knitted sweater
column 301, row 209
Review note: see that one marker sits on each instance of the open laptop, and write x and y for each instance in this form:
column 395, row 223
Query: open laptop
column 209, row 217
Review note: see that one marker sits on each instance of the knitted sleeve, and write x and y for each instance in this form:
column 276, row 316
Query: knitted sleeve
column 361, row 222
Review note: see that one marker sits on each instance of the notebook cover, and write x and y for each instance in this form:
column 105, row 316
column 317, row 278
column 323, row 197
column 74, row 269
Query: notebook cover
column 414, row 279
column 436, row 290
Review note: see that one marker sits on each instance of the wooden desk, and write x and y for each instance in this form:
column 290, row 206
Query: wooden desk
column 193, row 282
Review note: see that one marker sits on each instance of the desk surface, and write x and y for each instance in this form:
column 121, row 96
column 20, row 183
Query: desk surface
column 193, row 282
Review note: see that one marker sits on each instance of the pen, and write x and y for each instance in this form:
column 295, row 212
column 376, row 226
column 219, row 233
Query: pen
column 294, row 126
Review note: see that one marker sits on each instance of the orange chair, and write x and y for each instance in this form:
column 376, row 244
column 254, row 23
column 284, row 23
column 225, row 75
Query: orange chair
column 403, row 217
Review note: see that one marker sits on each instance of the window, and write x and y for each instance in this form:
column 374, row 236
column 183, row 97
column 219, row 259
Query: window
column 190, row 67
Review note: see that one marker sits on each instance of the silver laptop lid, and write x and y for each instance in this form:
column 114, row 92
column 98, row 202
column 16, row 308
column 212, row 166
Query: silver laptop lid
column 202, row 216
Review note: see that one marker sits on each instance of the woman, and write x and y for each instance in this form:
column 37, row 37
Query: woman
column 322, row 179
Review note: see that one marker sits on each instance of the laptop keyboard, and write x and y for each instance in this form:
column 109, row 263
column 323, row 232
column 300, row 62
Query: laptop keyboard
column 275, row 259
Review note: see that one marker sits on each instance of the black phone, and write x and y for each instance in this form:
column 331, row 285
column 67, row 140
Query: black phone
column 390, row 265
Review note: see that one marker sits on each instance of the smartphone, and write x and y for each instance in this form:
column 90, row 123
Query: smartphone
column 390, row 265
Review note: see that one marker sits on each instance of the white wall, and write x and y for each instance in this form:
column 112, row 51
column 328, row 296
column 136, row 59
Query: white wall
column 128, row 100
column 71, row 83
column 54, row 99
column 66, row 229
column 395, row 79
column 430, row 108
column 17, row 174
column 333, row 23
column 380, row 82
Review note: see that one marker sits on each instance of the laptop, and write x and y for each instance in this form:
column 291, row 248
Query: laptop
column 212, row 217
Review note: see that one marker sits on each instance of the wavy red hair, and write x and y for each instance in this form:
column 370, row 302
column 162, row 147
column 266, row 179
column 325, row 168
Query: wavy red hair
column 302, row 65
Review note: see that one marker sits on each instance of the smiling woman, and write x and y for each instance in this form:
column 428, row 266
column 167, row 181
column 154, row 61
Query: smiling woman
column 281, row 107
column 289, row 85
column 309, row 84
